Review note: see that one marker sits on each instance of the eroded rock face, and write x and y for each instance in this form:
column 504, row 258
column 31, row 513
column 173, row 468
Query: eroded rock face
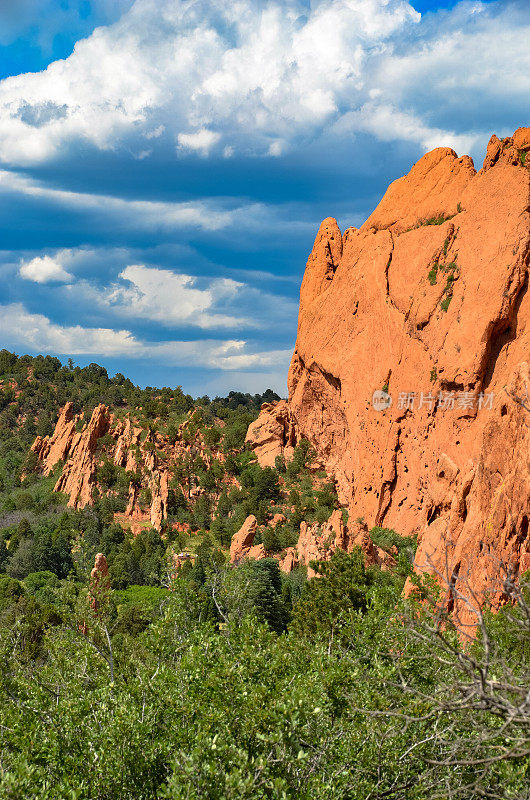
column 273, row 433
column 315, row 543
column 99, row 585
column 243, row 540
column 127, row 446
column 80, row 465
column 53, row 449
column 429, row 296
column 511, row 150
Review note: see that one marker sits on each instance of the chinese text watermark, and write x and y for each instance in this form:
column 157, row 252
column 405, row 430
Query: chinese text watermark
column 444, row 401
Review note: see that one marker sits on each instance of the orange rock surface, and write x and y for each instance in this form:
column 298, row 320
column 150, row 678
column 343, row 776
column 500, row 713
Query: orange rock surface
column 272, row 434
column 429, row 296
column 243, row 540
column 99, row 585
column 128, row 447
column 315, row 543
column 80, row 465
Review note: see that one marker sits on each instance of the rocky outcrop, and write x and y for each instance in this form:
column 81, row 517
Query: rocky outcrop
column 80, row 463
column 315, row 543
column 511, row 151
column 273, row 434
column 128, row 446
column 428, row 300
column 53, row 449
column 478, row 532
column 99, row 585
column 243, row 540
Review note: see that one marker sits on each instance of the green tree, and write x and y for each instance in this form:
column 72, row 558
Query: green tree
column 345, row 587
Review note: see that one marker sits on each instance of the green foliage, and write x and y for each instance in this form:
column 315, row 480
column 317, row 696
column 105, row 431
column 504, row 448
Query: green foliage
column 439, row 220
column 433, row 274
column 262, row 483
column 350, row 703
column 452, row 272
column 145, row 596
column 279, row 464
column 10, row 591
column 255, row 589
column 386, row 539
column 237, row 682
column 346, row 588
column 107, row 474
column 271, row 541
column 301, row 457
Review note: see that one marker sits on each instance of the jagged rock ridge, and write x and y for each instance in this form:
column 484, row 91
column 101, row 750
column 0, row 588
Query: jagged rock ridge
column 315, row 543
column 429, row 295
column 129, row 446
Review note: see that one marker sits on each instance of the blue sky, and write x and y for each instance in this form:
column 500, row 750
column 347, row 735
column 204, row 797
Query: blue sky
column 164, row 165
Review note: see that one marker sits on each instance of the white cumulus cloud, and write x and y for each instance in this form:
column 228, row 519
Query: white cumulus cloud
column 259, row 78
column 175, row 299
column 21, row 328
column 202, row 141
column 250, row 73
column 46, row 269
column 169, row 297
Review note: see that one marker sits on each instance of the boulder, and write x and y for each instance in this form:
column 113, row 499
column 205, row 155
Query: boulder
column 243, row 540
column 272, row 434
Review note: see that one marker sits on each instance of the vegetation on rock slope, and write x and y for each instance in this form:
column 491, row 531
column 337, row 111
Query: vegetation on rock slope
column 228, row 682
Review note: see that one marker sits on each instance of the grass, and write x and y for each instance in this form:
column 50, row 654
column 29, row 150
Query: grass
column 434, row 375
column 449, row 284
column 452, row 272
column 433, row 274
column 145, row 596
column 436, row 220
column 522, row 156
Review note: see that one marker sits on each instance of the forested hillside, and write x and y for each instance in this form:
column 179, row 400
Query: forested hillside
column 182, row 675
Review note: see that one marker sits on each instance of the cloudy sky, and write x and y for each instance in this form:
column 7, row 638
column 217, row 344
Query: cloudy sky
column 165, row 164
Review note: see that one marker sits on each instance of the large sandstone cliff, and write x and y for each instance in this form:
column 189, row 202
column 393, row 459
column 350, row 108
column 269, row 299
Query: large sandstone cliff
column 429, row 295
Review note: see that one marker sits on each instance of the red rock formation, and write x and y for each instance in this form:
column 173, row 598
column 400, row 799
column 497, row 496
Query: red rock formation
column 129, row 448
column 127, row 440
column 511, row 150
column 99, row 586
column 243, row 540
column 79, row 470
column 428, row 296
column 315, row 543
column 272, row 434
column 53, row 449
